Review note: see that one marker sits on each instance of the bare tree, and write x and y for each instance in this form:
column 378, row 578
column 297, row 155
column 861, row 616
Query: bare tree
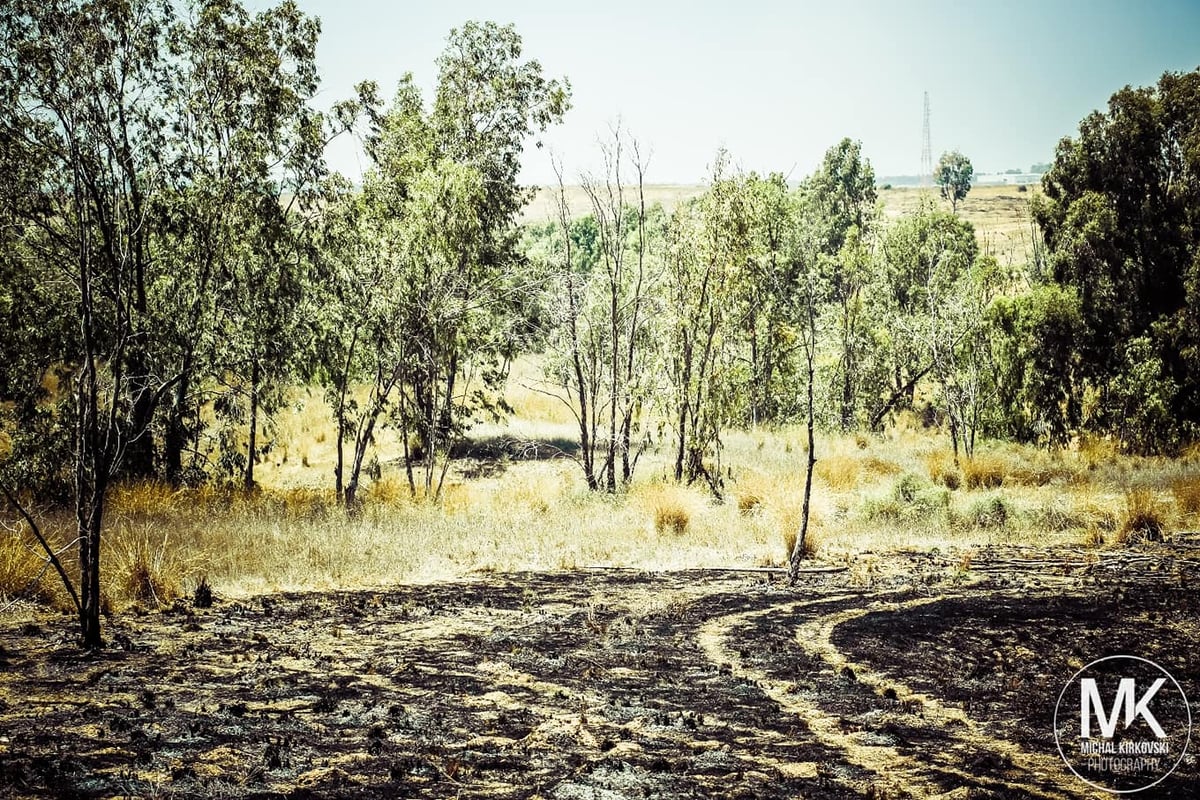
column 606, row 314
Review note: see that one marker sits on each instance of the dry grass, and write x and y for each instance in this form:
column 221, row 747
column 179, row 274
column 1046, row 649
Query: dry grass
column 942, row 470
column 1144, row 519
column 875, row 493
column 1186, row 490
column 25, row 574
column 838, row 471
column 984, row 471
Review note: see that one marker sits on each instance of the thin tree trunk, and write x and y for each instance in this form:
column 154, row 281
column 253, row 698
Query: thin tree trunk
column 810, row 347
column 248, row 483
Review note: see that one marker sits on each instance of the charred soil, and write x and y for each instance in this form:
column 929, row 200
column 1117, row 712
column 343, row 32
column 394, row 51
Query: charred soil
column 905, row 675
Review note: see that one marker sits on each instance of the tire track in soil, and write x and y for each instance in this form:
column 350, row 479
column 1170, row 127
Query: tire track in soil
column 925, row 774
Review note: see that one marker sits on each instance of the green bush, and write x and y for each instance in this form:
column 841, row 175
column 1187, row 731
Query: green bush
column 990, row 512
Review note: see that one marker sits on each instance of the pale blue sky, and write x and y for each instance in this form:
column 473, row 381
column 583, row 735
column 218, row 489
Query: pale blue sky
column 777, row 83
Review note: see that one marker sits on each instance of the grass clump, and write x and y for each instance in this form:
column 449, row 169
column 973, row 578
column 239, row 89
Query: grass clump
column 25, row 575
column 1144, row 519
column 146, row 569
column 839, row 472
column 748, row 502
column 984, row 472
column 943, row 471
column 791, row 534
column 1186, row 491
column 672, row 513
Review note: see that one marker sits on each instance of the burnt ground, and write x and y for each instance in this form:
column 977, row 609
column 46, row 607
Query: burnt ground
column 902, row 675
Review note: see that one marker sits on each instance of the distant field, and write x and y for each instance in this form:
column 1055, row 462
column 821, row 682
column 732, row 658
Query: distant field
column 1000, row 214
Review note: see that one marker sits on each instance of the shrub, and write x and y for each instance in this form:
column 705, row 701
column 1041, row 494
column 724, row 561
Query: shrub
column 883, row 508
column 907, row 488
column 990, row 512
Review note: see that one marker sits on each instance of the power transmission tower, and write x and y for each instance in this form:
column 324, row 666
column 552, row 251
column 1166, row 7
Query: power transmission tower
column 926, row 150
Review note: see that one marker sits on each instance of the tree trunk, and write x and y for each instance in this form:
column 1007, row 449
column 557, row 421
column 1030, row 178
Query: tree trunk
column 176, row 436
column 89, row 513
column 252, row 448
column 139, row 451
column 798, row 551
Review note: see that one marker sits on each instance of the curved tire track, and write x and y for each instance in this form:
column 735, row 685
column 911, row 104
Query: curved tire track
column 923, row 774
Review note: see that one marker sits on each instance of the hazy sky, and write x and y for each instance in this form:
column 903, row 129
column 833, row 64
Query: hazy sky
column 777, row 83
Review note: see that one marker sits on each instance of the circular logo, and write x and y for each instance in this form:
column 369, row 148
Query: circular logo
column 1122, row 724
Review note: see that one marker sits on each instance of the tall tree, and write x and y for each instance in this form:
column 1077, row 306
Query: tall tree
column 924, row 256
column 137, row 141
column 623, row 288
column 247, row 156
column 80, row 88
column 439, row 209
column 953, row 177
column 1120, row 214
column 842, row 191
column 710, row 247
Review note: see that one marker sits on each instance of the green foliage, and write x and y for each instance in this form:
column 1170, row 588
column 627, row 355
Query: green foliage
column 993, row 511
column 1120, row 215
column 1036, row 342
column 421, row 271
column 953, row 176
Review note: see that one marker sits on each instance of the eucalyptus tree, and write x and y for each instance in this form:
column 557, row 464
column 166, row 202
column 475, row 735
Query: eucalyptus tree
column 766, row 304
column 843, row 197
column 1121, row 218
column 135, row 133
column 710, row 245
column 953, row 177
column 929, row 260
column 81, row 92
column 246, row 159
column 438, row 212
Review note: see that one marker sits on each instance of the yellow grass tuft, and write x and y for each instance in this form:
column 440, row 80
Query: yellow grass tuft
column 25, row 574
column 147, row 567
column 1144, row 519
column 840, row 472
column 140, row 498
column 811, row 542
column 1097, row 450
column 880, row 467
column 671, row 518
column 942, row 469
column 748, row 502
column 984, row 471
column 391, row 489
column 1186, row 490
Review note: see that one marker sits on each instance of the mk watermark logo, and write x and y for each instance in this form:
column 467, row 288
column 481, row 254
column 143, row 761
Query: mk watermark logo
column 1091, row 704
column 1134, row 724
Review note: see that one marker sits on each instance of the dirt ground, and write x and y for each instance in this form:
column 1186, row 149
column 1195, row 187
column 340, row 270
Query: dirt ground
column 885, row 676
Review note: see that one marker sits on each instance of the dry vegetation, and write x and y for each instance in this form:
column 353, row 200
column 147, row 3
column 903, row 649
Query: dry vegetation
column 520, row 504
column 516, row 500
